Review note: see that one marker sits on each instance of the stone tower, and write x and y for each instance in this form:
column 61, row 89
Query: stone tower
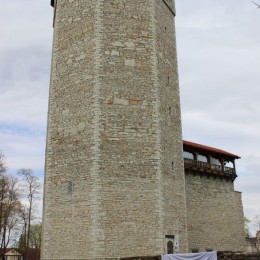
column 114, row 181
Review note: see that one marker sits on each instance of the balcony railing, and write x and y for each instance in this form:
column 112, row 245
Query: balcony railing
column 212, row 169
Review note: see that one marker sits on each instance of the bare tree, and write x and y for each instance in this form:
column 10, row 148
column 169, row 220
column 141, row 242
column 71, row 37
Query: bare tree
column 9, row 208
column 31, row 189
column 3, row 196
column 16, row 214
column 256, row 223
column 2, row 162
column 35, row 236
column 24, row 219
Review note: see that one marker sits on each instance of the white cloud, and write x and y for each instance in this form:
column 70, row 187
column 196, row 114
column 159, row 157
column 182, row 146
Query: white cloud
column 219, row 60
column 24, row 150
column 25, row 51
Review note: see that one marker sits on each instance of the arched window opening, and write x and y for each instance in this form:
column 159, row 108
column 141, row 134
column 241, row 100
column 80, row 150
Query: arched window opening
column 202, row 158
column 229, row 164
column 188, row 155
column 215, row 161
column 170, row 247
column 215, row 164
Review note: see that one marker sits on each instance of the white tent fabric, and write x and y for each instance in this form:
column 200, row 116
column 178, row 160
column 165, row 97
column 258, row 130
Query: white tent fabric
column 197, row 256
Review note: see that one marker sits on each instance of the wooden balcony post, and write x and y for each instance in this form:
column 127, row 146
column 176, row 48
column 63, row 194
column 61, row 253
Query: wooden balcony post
column 196, row 157
column 222, row 165
column 234, row 166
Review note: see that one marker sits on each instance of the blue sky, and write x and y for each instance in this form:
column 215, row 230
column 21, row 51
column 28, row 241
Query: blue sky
column 219, row 67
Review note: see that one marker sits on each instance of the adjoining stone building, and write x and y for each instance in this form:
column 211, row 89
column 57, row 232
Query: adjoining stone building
column 114, row 174
column 253, row 243
column 214, row 208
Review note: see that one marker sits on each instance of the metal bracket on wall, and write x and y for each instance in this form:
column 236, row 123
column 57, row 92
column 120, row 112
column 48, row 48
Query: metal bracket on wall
column 170, row 8
column 53, row 4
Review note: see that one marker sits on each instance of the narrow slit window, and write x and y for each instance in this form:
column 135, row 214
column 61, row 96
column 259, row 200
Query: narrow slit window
column 70, row 187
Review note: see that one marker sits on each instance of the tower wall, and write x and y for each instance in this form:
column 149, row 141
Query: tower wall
column 215, row 215
column 174, row 197
column 114, row 181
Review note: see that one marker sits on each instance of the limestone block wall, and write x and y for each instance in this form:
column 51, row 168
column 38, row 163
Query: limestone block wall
column 175, row 218
column 238, row 256
column 215, row 215
column 253, row 243
column 114, row 181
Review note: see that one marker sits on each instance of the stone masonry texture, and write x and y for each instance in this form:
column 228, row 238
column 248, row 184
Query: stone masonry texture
column 114, row 179
column 221, row 256
column 238, row 256
column 215, row 215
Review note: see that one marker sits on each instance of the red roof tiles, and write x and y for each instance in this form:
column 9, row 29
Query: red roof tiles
column 209, row 149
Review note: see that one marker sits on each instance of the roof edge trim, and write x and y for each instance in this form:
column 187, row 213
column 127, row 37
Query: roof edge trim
column 210, row 149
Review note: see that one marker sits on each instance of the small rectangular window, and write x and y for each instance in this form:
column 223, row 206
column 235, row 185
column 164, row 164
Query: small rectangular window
column 70, row 187
column 209, row 250
column 195, row 251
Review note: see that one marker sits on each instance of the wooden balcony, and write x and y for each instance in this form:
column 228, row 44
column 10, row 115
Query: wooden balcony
column 203, row 168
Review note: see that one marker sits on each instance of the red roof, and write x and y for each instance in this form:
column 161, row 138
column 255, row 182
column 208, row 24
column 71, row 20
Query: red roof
column 209, row 149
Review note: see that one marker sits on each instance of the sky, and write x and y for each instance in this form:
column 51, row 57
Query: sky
column 218, row 44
